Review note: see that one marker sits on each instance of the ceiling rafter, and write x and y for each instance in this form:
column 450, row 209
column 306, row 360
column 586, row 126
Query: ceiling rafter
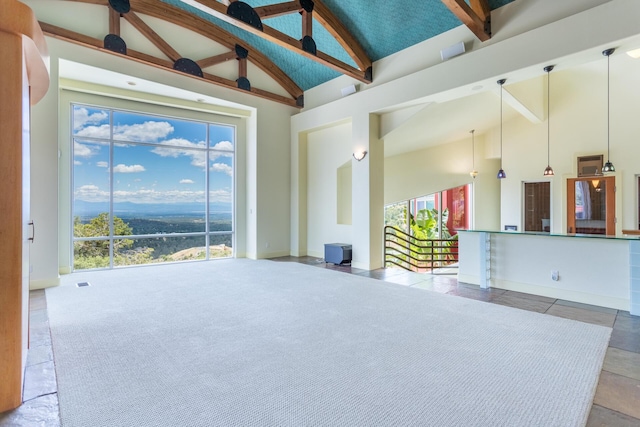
column 152, row 36
column 239, row 49
column 114, row 22
column 217, row 59
column 83, row 40
column 279, row 9
column 339, row 31
column 476, row 17
column 324, row 16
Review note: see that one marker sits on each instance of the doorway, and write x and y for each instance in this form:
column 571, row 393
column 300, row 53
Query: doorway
column 537, row 206
column 591, row 205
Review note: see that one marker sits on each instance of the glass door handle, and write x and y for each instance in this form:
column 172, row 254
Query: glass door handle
column 33, row 231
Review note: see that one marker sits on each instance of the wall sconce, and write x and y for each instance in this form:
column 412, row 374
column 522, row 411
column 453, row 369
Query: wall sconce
column 359, row 155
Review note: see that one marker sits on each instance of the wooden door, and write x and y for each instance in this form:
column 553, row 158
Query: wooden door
column 24, row 80
column 591, row 205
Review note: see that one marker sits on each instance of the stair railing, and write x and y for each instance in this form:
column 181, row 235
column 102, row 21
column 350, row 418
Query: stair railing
column 419, row 255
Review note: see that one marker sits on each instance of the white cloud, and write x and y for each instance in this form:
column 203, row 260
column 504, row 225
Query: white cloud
column 223, row 145
column 176, row 148
column 82, row 117
column 153, row 196
column 223, row 196
column 221, row 167
column 140, row 132
column 102, row 164
column 186, row 181
column 147, row 132
column 128, row 169
column 91, row 193
column 102, row 131
column 81, row 150
column 77, row 162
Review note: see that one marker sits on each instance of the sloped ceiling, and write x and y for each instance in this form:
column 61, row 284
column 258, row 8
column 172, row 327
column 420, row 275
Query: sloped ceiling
column 382, row 27
column 379, row 28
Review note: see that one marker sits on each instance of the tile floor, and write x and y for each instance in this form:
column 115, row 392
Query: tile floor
column 616, row 403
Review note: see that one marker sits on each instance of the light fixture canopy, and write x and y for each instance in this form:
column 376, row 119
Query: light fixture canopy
column 608, row 166
column 548, row 171
column 473, row 172
column 359, row 155
column 501, row 173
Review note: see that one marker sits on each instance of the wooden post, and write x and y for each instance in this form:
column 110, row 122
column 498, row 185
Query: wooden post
column 24, row 80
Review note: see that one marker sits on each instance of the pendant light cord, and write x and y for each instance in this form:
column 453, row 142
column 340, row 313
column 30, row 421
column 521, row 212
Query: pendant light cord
column 548, row 122
column 608, row 105
column 473, row 150
column 501, row 119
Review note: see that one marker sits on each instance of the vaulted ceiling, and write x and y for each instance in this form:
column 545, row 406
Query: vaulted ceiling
column 299, row 44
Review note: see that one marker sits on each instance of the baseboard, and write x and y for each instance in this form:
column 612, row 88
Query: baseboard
column 43, row 284
column 316, row 254
column 472, row 280
column 569, row 295
column 564, row 294
column 267, row 255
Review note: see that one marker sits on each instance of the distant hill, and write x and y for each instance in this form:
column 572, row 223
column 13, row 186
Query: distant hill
column 91, row 209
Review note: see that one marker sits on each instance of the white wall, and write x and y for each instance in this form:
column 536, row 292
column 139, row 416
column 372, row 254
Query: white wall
column 267, row 195
column 524, row 263
column 328, row 150
column 438, row 168
column 527, row 36
column 578, row 127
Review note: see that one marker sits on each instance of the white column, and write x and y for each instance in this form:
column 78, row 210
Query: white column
column 367, row 193
column 634, row 277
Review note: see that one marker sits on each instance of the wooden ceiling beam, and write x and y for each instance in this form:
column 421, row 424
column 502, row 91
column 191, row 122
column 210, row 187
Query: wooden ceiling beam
column 217, row 59
column 273, row 10
column 339, row 31
column 114, row 22
column 307, row 23
column 191, row 22
column 152, row 36
column 218, row 10
column 481, row 27
column 90, row 42
column 481, row 7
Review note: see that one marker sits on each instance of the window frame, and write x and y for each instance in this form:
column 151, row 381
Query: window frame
column 70, row 97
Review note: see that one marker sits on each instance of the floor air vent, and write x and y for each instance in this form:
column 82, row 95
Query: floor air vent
column 82, row 284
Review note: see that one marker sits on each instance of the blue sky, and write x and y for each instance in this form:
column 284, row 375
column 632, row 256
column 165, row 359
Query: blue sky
column 169, row 168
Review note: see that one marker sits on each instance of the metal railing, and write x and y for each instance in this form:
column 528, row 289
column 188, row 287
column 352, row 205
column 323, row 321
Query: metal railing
column 419, row 255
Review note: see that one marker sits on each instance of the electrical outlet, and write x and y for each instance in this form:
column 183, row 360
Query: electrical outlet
column 555, row 275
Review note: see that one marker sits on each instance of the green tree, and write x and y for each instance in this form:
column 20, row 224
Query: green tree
column 95, row 253
column 396, row 215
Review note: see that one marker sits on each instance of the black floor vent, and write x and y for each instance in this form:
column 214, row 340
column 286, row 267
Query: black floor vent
column 82, row 284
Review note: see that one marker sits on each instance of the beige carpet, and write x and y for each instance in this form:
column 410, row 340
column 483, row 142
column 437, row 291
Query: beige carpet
column 260, row 343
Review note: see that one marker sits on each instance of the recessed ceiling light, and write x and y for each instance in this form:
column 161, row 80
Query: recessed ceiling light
column 635, row 53
column 131, row 83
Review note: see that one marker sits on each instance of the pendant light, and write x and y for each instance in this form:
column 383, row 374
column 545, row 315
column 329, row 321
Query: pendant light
column 549, row 170
column 501, row 174
column 608, row 167
column 473, row 172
